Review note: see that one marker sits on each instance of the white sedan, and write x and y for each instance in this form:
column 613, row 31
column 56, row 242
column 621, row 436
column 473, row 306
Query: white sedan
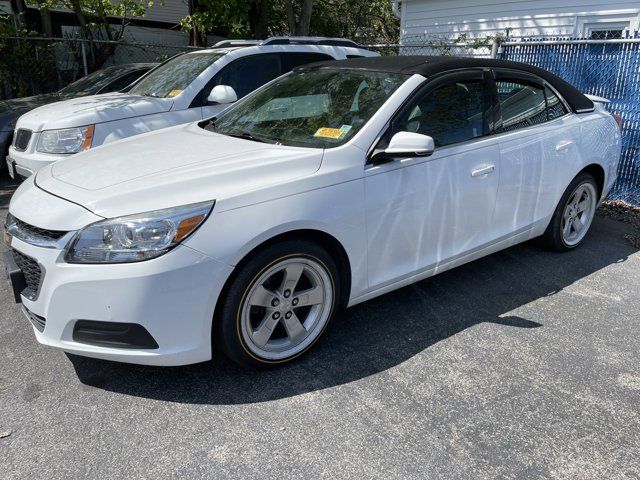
column 334, row 184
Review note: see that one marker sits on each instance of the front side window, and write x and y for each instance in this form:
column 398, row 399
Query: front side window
column 92, row 83
column 320, row 108
column 452, row 113
column 249, row 73
column 171, row 78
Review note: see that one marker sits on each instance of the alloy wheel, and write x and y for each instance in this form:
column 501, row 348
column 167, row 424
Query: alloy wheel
column 286, row 308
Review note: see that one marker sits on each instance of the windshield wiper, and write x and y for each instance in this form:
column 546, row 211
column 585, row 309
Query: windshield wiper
column 246, row 136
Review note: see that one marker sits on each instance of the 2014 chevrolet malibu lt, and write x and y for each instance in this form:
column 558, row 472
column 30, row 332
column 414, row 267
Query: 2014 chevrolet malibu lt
column 333, row 184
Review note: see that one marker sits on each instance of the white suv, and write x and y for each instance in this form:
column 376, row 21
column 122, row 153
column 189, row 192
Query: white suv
column 188, row 87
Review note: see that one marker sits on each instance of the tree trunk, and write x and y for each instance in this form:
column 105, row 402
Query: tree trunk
column 45, row 21
column 259, row 19
column 305, row 18
column 299, row 25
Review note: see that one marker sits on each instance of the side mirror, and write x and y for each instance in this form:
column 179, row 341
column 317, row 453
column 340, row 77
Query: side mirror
column 409, row 144
column 222, row 94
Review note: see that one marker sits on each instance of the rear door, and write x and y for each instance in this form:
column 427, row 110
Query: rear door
column 533, row 137
column 422, row 212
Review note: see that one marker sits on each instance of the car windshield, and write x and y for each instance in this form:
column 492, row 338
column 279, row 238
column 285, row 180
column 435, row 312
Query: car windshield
column 92, row 83
column 320, row 108
column 171, row 78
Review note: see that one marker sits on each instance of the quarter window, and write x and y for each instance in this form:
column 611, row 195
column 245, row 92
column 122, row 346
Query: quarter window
column 452, row 113
column 555, row 108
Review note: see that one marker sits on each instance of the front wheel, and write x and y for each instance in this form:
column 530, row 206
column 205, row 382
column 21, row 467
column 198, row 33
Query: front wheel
column 278, row 305
column 573, row 216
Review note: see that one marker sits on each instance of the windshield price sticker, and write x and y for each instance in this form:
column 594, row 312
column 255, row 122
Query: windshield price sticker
column 333, row 133
column 175, row 92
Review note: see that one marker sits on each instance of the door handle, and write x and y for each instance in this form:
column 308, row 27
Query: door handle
column 483, row 171
column 562, row 146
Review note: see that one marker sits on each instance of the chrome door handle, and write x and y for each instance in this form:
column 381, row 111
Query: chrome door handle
column 483, row 171
column 562, row 146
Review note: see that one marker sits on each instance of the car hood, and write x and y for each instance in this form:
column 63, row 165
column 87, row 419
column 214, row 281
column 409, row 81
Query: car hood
column 12, row 109
column 171, row 167
column 77, row 112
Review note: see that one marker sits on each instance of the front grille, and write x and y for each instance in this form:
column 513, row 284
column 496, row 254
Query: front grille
column 31, row 271
column 21, row 142
column 37, row 321
column 39, row 233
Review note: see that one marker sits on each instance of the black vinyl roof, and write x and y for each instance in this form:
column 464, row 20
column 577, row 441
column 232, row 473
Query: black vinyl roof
column 429, row 66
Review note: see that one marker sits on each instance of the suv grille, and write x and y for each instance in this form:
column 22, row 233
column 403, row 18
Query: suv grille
column 31, row 271
column 21, row 141
column 37, row 321
column 39, row 233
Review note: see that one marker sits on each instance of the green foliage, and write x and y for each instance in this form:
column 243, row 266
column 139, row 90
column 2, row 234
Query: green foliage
column 361, row 20
column 24, row 65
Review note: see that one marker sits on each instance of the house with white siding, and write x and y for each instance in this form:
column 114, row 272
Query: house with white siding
column 596, row 19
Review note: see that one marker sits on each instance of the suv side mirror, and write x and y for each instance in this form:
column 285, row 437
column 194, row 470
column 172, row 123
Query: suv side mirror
column 222, row 94
column 409, row 144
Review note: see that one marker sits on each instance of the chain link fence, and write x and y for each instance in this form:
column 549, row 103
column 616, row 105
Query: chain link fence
column 34, row 65
column 606, row 68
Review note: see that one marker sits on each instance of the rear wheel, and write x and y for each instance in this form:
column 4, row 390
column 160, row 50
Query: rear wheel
column 573, row 216
column 278, row 305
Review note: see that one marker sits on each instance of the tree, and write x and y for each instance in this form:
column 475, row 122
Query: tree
column 362, row 20
column 298, row 16
column 95, row 19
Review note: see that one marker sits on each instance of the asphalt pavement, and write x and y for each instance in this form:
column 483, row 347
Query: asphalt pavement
column 524, row 364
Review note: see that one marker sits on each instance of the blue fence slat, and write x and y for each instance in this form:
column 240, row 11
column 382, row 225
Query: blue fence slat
column 607, row 70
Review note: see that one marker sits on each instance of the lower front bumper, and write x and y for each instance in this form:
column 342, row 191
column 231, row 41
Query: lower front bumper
column 173, row 297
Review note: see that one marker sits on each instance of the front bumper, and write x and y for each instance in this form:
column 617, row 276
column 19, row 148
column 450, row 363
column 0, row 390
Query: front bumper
column 29, row 162
column 173, row 297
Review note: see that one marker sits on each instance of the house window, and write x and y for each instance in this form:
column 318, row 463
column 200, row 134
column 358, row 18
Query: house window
column 607, row 26
column 607, row 32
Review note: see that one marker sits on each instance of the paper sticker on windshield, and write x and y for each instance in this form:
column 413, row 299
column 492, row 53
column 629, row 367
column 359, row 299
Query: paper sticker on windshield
column 175, row 92
column 333, row 133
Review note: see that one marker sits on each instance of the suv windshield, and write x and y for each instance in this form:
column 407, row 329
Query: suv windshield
column 171, row 78
column 320, row 108
column 92, row 83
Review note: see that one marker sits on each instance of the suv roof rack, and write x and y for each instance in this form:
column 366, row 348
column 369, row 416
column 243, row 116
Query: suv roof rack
column 236, row 43
column 334, row 42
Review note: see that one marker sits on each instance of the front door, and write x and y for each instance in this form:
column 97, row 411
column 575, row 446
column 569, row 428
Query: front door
column 423, row 212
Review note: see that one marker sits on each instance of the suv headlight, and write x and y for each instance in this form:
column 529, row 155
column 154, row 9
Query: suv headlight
column 66, row 140
column 136, row 238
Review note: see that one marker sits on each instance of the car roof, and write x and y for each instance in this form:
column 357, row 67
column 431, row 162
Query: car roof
column 428, row 66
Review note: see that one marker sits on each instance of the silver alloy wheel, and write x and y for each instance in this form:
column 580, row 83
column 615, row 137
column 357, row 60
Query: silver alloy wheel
column 286, row 308
column 578, row 213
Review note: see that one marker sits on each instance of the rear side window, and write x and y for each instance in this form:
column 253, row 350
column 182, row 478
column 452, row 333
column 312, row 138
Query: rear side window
column 452, row 113
column 249, row 73
column 525, row 104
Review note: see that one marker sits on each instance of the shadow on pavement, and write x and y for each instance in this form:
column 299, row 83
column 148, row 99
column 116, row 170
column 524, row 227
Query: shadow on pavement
column 382, row 333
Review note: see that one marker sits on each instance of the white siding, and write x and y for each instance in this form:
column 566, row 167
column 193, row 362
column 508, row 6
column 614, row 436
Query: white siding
column 524, row 17
column 172, row 11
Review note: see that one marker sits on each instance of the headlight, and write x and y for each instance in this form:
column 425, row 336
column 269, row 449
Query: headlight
column 137, row 237
column 67, row 140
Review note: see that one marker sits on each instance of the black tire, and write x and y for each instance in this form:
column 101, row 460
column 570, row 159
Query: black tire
column 227, row 332
column 553, row 239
